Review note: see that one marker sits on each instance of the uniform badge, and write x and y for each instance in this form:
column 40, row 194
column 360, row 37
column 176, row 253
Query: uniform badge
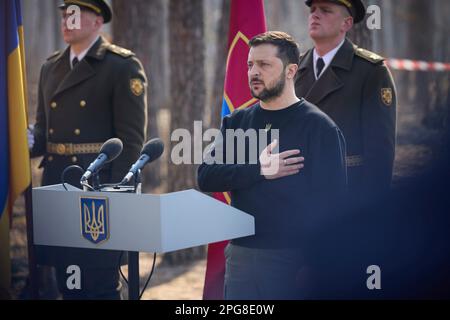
column 386, row 96
column 94, row 219
column 137, row 87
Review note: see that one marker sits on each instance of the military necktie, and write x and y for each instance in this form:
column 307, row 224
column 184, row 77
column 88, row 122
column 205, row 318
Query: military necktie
column 74, row 62
column 319, row 66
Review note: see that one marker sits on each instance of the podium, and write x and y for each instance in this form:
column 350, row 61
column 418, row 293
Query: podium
column 133, row 222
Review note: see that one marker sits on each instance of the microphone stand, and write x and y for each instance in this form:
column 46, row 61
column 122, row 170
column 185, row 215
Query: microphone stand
column 133, row 257
column 96, row 181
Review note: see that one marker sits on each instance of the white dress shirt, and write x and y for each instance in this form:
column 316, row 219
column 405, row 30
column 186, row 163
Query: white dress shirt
column 82, row 54
column 327, row 58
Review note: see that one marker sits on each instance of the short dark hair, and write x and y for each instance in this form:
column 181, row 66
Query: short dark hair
column 288, row 49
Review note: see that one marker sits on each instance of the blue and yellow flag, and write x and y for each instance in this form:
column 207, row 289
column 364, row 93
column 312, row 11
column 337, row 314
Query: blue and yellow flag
column 15, row 176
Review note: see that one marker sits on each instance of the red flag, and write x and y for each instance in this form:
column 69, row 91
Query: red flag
column 246, row 21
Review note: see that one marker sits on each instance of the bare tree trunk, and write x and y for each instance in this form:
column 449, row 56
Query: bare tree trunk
column 274, row 16
column 187, row 55
column 290, row 16
column 187, row 77
column 39, row 47
column 220, row 65
column 144, row 34
column 428, row 92
column 361, row 35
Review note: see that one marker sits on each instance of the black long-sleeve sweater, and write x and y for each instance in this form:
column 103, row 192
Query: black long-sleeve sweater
column 286, row 208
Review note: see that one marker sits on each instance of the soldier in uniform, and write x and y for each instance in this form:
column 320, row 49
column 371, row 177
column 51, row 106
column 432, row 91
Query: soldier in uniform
column 354, row 87
column 88, row 93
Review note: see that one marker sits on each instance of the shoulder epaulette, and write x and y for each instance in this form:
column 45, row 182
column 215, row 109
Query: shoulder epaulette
column 120, row 51
column 368, row 55
column 54, row 54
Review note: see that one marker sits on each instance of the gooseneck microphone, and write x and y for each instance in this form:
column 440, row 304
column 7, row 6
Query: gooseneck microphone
column 109, row 151
column 151, row 151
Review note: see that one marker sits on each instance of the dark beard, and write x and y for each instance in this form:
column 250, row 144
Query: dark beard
column 272, row 93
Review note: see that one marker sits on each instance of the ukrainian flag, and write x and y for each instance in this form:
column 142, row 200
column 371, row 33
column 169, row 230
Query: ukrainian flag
column 15, row 175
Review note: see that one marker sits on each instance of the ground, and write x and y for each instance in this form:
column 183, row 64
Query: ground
column 182, row 281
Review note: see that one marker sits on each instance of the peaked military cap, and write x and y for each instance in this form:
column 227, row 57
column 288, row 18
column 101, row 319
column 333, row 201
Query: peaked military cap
column 100, row 7
column 355, row 7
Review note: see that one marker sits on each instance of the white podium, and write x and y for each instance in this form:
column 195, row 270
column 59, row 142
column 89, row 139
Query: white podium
column 135, row 222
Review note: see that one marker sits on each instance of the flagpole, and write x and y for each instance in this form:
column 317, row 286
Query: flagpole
column 32, row 266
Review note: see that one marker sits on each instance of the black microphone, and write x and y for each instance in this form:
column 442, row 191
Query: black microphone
column 108, row 152
column 151, row 151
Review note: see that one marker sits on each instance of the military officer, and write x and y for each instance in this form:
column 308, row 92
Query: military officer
column 354, row 87
column 88, row 93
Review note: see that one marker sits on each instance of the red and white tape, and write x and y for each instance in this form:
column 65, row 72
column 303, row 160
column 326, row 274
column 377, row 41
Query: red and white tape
column 413, row 65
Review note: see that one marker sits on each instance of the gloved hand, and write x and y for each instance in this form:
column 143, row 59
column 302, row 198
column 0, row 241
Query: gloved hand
column 30, row 134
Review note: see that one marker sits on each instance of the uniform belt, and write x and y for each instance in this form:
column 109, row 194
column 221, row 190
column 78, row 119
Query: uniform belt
column 68, row 149
column 354, row 161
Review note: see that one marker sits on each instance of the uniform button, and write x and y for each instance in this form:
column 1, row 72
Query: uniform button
column 53, row 105
column 50, row 158
column 74, row 159
column 77, row 132
column 82, row 103
column 51, row 131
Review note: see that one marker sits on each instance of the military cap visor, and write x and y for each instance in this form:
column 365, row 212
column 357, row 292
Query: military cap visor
column 355, row 7
column 100, row 7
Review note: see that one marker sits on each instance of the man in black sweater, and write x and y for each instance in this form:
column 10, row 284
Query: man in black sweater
column 289, row 187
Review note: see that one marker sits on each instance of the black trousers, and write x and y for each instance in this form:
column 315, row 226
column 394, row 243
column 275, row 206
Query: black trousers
column 262, row 274
column 96, row 284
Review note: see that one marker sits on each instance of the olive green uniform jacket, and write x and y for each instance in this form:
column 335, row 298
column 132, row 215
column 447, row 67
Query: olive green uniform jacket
column 103, row 96
column 357, row 91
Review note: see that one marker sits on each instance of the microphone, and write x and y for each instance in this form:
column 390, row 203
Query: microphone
column 108, row 152
column 151, row 151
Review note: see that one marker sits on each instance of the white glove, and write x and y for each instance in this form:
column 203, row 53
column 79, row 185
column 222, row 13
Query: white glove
column 30, row 136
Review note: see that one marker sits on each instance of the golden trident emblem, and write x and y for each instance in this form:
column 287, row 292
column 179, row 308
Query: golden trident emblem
column 95, row 220
column 95, row 226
